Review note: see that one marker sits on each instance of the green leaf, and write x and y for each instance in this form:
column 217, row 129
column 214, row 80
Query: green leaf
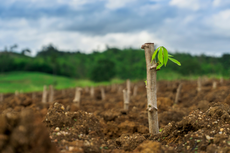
column 175, row 61
column 154, row 54
column 159, row 66
column 165, row 54
column 170, row 55
column 160, row 55
column 146, row 82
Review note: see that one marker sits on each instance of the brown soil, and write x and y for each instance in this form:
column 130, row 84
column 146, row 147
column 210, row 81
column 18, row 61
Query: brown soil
column 200, row 122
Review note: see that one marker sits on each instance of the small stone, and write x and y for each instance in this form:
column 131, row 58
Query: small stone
column 57, row 129
column 188, row 147
column 62, row 107
column 208, row 137
column 221, row 129
column 71, row 148
column 220, row 132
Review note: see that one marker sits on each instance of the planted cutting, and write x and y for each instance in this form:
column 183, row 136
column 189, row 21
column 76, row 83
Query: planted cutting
column 151, row 85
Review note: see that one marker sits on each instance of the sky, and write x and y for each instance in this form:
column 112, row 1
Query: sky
column 191, row 26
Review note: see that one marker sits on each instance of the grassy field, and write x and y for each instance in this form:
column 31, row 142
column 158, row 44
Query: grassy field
column 34, row 81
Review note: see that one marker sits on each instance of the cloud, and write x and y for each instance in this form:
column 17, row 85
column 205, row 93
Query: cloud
column 186, row 4
column 190, row 25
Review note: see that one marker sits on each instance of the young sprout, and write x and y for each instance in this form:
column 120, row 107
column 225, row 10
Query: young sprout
column 163, row 57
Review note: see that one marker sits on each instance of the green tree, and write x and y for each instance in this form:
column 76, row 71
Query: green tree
column 104, row 70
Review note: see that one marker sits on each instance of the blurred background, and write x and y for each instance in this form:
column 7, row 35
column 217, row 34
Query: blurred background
column 94, row 42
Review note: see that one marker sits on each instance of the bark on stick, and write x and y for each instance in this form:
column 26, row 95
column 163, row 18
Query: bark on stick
column 44, row 95
column 199, row 84
column 135, row 90
column 16, row 93
column 221, row 80
column 119, row 89
column 126, row 100
column 102, row 94
column 1, row 97
column 151, row 89
column 178, row 93
column 77, row 97
column 214, row 84
column 92, row 92
column 128, row 89
column 51, row 93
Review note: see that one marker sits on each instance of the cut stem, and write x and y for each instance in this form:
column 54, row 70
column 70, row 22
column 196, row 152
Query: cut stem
column 44, row 94
column 151, row 89
column 51, row 93
column 178, row 93
column 77, row 97
column 126, row 100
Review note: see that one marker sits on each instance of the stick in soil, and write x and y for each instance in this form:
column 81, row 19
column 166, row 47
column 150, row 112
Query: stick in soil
column 119, row 89
column 135, row 90
column 77, row 97
column 44, row 94
column 92, row 92
column 221, row 80
column 151, row 89
column 126, row 100
column 214, row 84
column 178, row 93
column 51, row 93
column 128, row 89
column 1, row 97
column 102, row 94
column 33, row 95
column 16, row 93
column 199, row 84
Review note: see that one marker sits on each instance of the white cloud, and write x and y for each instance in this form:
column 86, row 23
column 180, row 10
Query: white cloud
column 116, row 4
column 220, row 23
column 220, row 3
column 186, row 4
column 73, row 41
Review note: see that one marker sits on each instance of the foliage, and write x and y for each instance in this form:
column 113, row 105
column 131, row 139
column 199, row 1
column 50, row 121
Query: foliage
column 128, row 63
column 104, row 70
column 163, row 57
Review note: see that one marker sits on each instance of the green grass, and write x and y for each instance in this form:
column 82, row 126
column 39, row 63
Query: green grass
column 34, row 81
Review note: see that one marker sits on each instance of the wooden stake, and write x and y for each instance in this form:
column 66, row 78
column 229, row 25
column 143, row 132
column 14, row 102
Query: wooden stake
column 1, row 97
column 151, row 88
column 214, row 84
column 16, row 93
column 135, row 90
column 51, row 93
column 77, row 97
column 126, row 100
column 119, row 89
column 199, row 84
column 221, row 80
column 92, row 92
column 33, row 96
column 102, row 94
column 44, row 94
column 178, row 93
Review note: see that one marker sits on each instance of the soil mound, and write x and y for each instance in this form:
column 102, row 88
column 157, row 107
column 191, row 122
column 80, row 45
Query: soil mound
column 23, row 133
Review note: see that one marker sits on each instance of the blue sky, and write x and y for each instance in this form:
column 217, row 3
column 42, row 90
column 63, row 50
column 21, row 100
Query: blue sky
column 194, row 26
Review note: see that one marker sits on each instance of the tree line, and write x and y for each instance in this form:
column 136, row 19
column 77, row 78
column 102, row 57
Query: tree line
column 102, row 66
